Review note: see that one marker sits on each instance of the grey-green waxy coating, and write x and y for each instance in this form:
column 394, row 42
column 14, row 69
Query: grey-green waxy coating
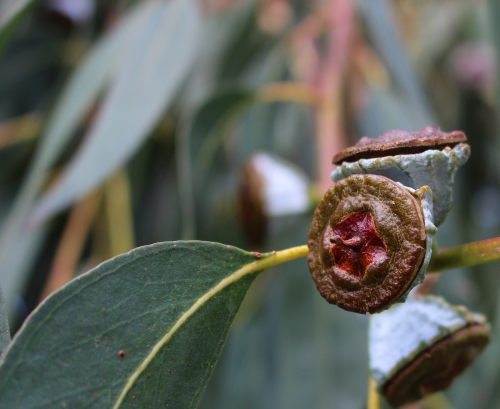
column 433, row 168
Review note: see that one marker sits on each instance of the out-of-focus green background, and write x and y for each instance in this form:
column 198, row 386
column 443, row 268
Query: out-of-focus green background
column 124, row 123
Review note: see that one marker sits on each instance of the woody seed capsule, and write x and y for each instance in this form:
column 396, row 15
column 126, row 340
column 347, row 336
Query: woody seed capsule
column 370, row 242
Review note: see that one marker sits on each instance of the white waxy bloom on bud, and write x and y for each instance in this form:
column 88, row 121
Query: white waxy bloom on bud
column 270, row 187
column 285, row 187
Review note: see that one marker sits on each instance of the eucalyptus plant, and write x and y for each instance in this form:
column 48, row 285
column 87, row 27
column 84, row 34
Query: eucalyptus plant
column 166, row 128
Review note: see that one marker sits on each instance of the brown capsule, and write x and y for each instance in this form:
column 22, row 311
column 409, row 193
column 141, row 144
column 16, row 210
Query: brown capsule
column 367, row 242
column 436, row 367
column 251, row 203
column 399, row 142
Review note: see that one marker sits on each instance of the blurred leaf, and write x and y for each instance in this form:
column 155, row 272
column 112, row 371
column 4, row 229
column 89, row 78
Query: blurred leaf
column 199, row 142
column 17, row 266
column 88, row 81
column 387, row 109
column 80, row 93
column 4, row 326
column 12, row 13
column 212, row 122
column 441, row 26
column 387, row 40
column 494, row 14
column 158, row 315
column 156, row 64
column 245, row 42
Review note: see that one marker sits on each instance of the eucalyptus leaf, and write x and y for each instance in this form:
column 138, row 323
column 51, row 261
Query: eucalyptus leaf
column 155, row 66
column 143, row 329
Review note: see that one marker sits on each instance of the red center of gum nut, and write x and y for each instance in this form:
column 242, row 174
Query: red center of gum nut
column 356, row 244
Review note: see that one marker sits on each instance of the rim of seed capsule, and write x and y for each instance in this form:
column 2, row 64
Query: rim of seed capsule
column 397, row 219
column 400, row 142
column 436, row 367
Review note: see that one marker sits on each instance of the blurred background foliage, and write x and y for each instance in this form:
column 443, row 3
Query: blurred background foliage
column 124, row 123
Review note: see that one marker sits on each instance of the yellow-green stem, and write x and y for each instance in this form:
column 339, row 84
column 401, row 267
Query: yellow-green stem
column 373, row 395
column 466, row 255
column 446, row 258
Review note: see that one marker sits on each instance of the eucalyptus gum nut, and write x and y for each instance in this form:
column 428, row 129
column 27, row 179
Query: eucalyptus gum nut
column 433, row 168
column 369, row 240
column 421, row 346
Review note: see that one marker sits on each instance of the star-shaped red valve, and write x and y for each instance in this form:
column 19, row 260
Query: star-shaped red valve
column 356, row 244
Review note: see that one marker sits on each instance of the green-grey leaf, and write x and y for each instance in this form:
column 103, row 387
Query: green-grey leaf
column 89, row 79
column 167, row 306
column 12, row 13
column 156, row 63
column 4, row 326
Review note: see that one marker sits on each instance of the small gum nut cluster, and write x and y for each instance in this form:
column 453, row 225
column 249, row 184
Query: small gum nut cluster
column 370, row 241
column 421, row 346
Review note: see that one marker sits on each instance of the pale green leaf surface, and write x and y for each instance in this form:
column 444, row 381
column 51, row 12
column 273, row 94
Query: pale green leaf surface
column 67, row 352
column 89, row 79
column 155, row 66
